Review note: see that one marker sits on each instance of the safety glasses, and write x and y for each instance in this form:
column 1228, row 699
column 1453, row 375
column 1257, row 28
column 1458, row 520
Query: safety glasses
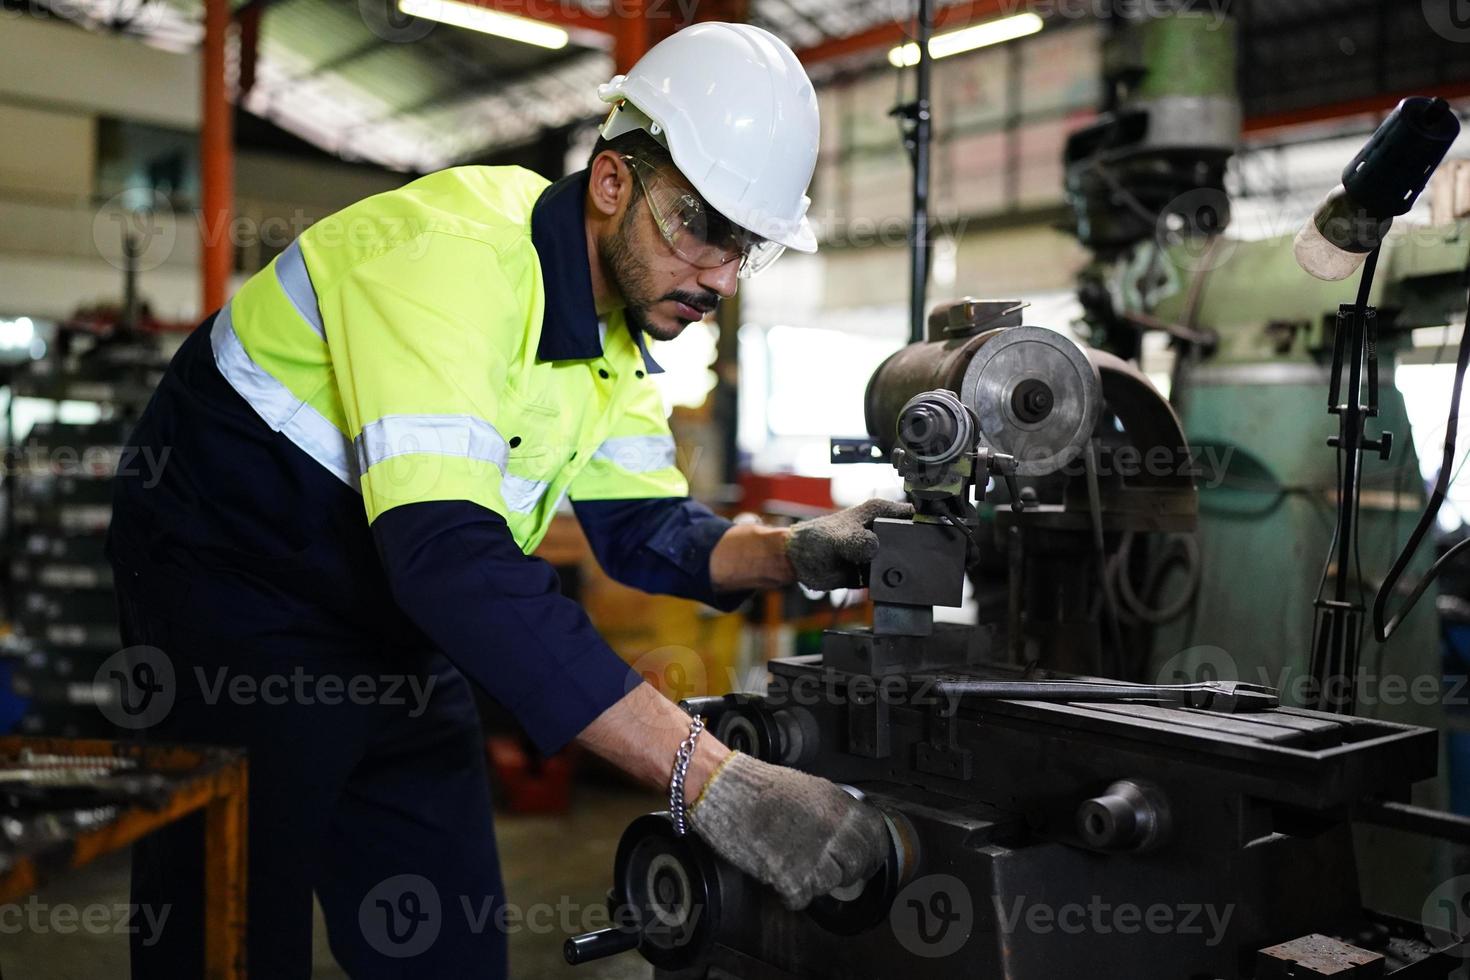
column 696, row 232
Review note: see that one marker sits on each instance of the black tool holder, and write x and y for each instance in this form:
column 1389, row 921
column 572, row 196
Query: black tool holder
column 1380, row 183
column 1337, row 637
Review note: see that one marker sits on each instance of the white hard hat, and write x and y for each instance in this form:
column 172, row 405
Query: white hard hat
column 739, row 117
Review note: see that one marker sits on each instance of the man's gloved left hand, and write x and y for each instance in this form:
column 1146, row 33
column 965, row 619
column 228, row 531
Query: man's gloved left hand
column 825, row 551
column 798, row 833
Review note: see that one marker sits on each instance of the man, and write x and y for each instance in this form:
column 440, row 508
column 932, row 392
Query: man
column 365, row 446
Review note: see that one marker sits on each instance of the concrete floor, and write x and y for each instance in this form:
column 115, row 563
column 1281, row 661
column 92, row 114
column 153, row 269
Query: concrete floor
column 583, row 840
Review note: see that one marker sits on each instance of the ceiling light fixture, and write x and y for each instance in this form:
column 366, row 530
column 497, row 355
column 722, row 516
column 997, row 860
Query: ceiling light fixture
column 968, row 39
column 487, row 21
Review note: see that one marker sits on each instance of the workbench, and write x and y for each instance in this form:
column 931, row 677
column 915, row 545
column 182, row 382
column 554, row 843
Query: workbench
column 172, row 782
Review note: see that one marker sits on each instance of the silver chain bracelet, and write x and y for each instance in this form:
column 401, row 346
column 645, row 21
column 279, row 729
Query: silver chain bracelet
column 681, row 768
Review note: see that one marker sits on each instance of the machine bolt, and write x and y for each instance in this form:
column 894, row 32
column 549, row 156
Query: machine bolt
column 1032, row 400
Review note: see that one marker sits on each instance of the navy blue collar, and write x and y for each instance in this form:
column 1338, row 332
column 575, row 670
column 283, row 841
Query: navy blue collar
column 558, row 231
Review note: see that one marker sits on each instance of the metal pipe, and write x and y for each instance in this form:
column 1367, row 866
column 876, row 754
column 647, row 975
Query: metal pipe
column 919, row 267
column 1415, row 819
column 216, row 161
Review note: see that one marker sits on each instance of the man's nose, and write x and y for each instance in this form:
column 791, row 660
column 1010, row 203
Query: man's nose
column 722, row 279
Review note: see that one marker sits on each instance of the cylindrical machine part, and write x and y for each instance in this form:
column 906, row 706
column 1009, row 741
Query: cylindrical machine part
column 1129, row 816
column 1033, row 392
column 597, row 945
column 936, row 428
column 671, row 890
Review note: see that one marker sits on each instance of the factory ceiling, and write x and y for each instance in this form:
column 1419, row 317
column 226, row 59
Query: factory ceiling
column 366, row 82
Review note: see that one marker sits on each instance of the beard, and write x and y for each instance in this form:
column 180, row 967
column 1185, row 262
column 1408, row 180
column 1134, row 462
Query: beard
column 634, row 281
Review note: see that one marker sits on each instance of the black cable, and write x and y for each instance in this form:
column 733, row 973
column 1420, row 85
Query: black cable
column 965, row 530
column 1326, row 566
column 1383, row 630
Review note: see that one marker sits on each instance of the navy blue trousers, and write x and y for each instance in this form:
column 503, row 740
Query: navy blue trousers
column 367, row 786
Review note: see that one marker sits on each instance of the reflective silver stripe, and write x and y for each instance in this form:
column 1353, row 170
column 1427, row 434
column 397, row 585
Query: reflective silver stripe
column 278, row 407
column 448, row 435
column 384, row 438
column 296, row 281
column 438, row 435
column 638, row 454
column 522, row 495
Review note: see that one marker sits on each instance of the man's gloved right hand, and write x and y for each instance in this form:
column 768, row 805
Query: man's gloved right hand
column 825, row 552
column 798, row 833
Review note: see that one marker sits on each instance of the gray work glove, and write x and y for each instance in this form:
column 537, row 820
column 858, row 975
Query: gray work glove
column 825, row 551
column 798, row 833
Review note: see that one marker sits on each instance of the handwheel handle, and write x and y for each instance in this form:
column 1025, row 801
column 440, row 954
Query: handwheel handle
column 596, row 945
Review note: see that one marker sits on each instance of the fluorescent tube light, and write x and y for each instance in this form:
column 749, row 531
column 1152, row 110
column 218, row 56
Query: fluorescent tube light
column 967, row 39
column 487, row 21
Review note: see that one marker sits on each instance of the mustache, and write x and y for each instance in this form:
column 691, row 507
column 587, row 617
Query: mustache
column 705, row 302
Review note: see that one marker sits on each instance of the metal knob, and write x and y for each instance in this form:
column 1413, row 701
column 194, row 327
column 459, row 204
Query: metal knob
column 1129, row 816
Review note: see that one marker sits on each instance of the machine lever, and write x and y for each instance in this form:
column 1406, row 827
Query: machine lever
column 591, row 946
column 1230, row 697
column 1004, row 465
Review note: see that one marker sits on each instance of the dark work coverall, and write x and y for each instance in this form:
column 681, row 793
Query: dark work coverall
column 256, row 574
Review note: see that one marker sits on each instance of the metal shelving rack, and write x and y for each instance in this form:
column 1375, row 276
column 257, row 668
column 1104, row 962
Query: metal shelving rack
column 57, row 485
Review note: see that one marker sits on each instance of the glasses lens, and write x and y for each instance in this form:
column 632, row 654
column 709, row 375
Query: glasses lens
column 760, row 256
column 696, row 232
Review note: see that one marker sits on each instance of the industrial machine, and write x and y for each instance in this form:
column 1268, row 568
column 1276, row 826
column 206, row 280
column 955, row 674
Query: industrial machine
column 1113, row 768
column 1253, row 338
column 1045, row 822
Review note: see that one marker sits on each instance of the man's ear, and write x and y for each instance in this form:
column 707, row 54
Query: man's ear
column 609, row 187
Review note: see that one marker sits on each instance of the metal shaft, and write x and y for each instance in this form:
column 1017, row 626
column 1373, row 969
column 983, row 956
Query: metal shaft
column 919, row 270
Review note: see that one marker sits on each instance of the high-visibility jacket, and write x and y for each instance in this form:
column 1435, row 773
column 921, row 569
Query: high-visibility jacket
column 396, row 343
column 359, row 451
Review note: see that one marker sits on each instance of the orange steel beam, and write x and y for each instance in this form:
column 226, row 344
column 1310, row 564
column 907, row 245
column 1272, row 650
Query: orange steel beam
column 217, row 161
column 632, row 34
column 1338, row 110
column 249, row 20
